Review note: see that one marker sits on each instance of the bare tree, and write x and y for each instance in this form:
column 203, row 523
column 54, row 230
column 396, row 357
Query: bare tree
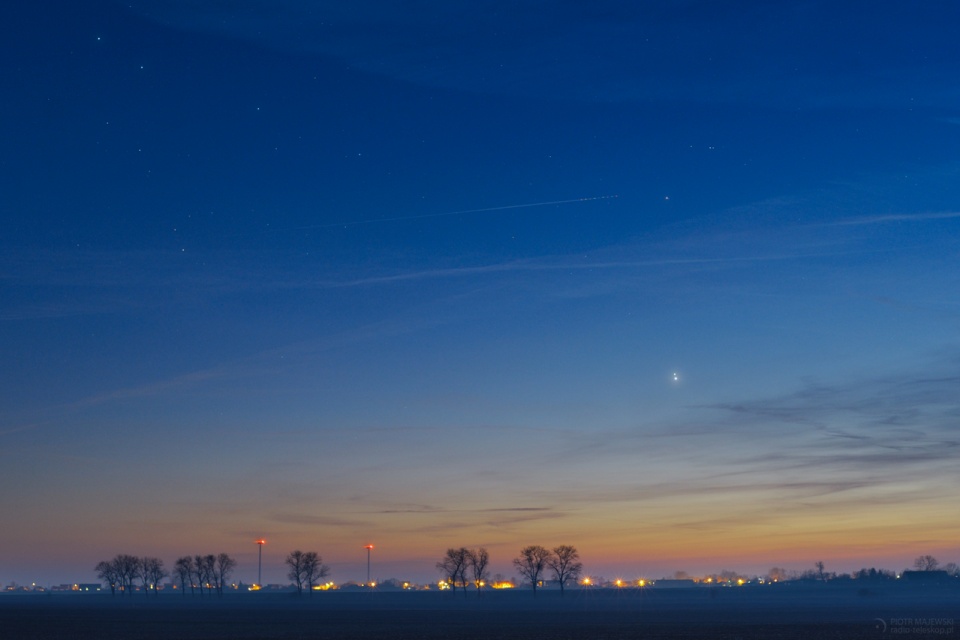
column 151, row 572
column 156, row 571
column 183, row 567
column 478, row 559
column 295, row 560
column 926, row 563
column 142, row 573
column 565, row 564
column 200, row 572
column 203, row 567
column 222, row 568
column 952, row 569
column 820, row 567
column 127, row 569
column 210, row 562
column 454, row 567
column 107, row 572
column 531, row 563
column 313, row 569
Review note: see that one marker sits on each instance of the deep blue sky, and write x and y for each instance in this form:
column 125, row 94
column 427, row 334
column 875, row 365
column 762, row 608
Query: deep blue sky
column 268, row 270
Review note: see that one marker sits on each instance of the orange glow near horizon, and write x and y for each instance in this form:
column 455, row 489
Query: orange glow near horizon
column 654, row 537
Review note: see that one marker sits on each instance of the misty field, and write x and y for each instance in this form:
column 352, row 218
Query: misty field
column 812, row 611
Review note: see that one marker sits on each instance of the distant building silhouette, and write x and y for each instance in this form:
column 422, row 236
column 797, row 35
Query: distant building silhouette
column 928, row 577
column 674, row 583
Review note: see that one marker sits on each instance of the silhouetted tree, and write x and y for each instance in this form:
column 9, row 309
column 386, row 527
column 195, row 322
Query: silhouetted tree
column 183, row 567
column 926, row 563
column 209, row 569
column 142, row 568
column 223, row 566
column 107, row 572
column 151, row 572
column 203, row 569
column 565, row 563
column 127, row 568
column 478, row 559
column 199, row 572
column 295, row 560
column 454, row 567
column 820, row 567
column 157, row 572
column 531, row 563
column 313, row 569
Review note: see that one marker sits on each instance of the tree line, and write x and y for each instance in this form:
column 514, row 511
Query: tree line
column 210, row 572
column 533, row 564
column 460, row 567
column 196, row 573
column 456, row 564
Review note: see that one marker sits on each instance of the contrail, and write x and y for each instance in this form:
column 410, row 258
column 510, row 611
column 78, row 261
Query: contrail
column 452, row 213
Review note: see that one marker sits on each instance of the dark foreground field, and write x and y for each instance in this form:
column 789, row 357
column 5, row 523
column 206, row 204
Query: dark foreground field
column 787, row 612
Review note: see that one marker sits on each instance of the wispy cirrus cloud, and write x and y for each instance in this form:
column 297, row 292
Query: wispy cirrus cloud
column 251, row 366
column 876, row 441
column 322, row 520
column 435, row 509
column 897, row 217
column 469, row 521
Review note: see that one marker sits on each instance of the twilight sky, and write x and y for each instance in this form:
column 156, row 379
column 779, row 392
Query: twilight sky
column 675, row 282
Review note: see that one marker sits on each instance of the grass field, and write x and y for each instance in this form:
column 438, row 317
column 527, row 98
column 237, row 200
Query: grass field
column 786, row 612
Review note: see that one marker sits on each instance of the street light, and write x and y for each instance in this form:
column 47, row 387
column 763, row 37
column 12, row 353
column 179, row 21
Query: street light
column 369, row 548
column 260, row 544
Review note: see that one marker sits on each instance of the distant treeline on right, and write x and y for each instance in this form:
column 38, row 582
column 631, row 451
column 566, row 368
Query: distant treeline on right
column 924, row 567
